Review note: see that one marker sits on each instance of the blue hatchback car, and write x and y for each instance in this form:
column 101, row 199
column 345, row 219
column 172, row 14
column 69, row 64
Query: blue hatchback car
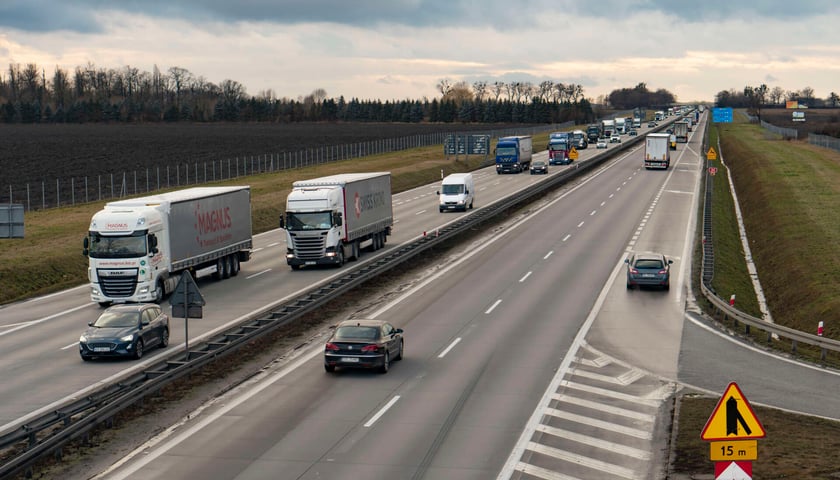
column 648, row 269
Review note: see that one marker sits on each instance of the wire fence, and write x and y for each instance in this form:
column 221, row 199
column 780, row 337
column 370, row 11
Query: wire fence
column 824, row 141
column 786, row 133
column 69, row 191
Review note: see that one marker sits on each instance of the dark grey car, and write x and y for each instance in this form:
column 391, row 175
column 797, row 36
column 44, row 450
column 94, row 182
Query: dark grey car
column 363, row 344
column 650, row 269
column 125, row 331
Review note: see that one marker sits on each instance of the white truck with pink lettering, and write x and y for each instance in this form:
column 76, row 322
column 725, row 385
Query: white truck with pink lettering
column 137, row 248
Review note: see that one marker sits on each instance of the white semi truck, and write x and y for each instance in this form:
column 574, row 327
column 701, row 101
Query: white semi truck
column 657, row 150
column 138, row 248
column 327, row 219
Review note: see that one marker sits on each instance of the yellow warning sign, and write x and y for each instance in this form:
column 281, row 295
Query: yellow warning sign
column 711, row 154
column 736, row 450
column 573, row 155
column 733, row 418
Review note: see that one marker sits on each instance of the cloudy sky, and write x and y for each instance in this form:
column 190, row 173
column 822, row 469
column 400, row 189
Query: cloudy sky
column 398, row 49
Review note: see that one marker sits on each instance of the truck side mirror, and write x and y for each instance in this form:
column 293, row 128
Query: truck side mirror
column 282, row 221
column 153, row 244
column 85, row 245
column 338, row 219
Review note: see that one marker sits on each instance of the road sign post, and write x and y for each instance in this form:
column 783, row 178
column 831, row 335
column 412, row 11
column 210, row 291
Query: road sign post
column 187, row 302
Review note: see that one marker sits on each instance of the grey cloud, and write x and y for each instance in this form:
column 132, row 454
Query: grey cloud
column 46, row 15
column 743, row 10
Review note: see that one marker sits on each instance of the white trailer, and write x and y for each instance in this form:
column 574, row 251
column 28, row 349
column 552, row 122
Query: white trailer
column 328, row 218
column 137, row 248
column 657, row 151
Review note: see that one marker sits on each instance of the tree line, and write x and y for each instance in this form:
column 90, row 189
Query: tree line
column 128, row 94
column 754, row 98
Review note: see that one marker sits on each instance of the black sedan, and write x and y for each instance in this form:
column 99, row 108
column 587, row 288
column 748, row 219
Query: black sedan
column 125, row 331
column 539, row 167
column 363, row 344
column 651, row 269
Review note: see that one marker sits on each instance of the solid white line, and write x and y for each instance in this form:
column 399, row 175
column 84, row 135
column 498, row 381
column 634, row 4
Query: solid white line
column 258, row 273
column 273, row 244
column 256, row 250
column 493, row 306
column 611, row 394
column 542, row 473
column 421, row 212
column 47, row 297
column 567, row 237
column 74, row 344
column 525, row 277
column 450, row 347
column 548, row 255
column 382, row 411
column 42, row 320
column 585, row 402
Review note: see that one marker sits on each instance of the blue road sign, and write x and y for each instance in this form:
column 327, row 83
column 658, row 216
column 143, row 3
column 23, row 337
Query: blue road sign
column 722, row 115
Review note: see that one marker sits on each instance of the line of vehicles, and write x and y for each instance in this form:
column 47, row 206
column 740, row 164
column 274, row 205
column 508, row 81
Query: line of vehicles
column 138, row 248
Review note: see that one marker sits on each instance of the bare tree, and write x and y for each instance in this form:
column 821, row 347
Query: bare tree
column 833, row 98
column 546, row 90
column 777, row 93
column 60, row 87
column 480, row 89
column 498, row 88
column 180, row 77
column 443, row 86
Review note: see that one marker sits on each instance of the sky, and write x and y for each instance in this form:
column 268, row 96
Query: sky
column 402, row 49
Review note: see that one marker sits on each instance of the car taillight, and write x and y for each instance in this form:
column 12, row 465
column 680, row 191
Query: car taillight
column 633, row 271
column 663, row 272
column 370, row 348
column 331, row 346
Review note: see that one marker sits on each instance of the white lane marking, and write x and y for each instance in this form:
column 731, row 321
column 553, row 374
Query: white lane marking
column 256, row 250
column 580, row 224
column 381, row 411
column 596, row 442
column 74, row 344
column 47, row 297
column 612, row 195
column 47, row 318
column 588, row 462
column 603, row 425
column 273, row 244
column 492, row 307
column 525, row 277
column 258, row 274
column 450, row 347
column 592, row 212
column 589, row 403
column 549, row 253
column 420, row 212
column 542, row 473
column 567, row 237
column 603, row 203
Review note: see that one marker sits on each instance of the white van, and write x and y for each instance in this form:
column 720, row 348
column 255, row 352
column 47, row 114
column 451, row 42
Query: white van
column 457, row 192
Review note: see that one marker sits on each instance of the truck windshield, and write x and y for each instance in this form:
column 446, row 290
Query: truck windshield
column 452, row 189
column 308, row 221
column 505, row 151
column 122, row 246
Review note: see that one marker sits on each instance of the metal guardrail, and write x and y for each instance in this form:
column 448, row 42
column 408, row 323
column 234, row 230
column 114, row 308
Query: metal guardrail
column 47, row 433
column 707, row 272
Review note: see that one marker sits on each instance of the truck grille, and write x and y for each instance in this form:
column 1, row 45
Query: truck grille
column 117, row 286
column 309, row 247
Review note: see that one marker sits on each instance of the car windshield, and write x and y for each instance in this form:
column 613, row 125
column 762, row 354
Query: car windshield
column 648, row 263
column 452, row 189
column 308, row 221
column 122, row 246
column 357, row 332
column 117, row 319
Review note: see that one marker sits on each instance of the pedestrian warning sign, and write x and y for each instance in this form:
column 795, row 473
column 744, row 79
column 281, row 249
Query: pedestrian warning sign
column 733, row 418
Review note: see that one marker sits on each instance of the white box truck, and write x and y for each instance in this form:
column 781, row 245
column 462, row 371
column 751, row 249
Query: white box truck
column 137, row 248
column 328, row 218
column 657, row 151
column 457, row 192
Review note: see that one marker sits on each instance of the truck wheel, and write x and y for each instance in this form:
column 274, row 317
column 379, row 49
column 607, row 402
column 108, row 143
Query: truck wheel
column 340, row 256
column 226, row 267
column 234, row 265
column 220, row 267
column 159, row 291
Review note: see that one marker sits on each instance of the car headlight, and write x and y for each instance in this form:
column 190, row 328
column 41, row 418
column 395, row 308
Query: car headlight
column 127, row 338
column 83, row 339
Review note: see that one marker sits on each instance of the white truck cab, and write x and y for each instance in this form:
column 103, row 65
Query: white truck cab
column 457, row 192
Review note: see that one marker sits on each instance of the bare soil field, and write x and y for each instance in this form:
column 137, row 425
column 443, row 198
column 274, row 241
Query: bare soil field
column 823, row 121
column 32, row 154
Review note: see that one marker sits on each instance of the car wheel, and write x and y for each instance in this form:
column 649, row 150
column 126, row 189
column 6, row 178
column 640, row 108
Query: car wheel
column 629, row 286
column 164, row 338
column 400, row 351
column 329, row 368
column 386, row 364
column 668, row 286
column 295, row 267
column 104, row 304
column 138, row 350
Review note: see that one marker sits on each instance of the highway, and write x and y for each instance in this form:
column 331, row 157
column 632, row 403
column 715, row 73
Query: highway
column 526, row 356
